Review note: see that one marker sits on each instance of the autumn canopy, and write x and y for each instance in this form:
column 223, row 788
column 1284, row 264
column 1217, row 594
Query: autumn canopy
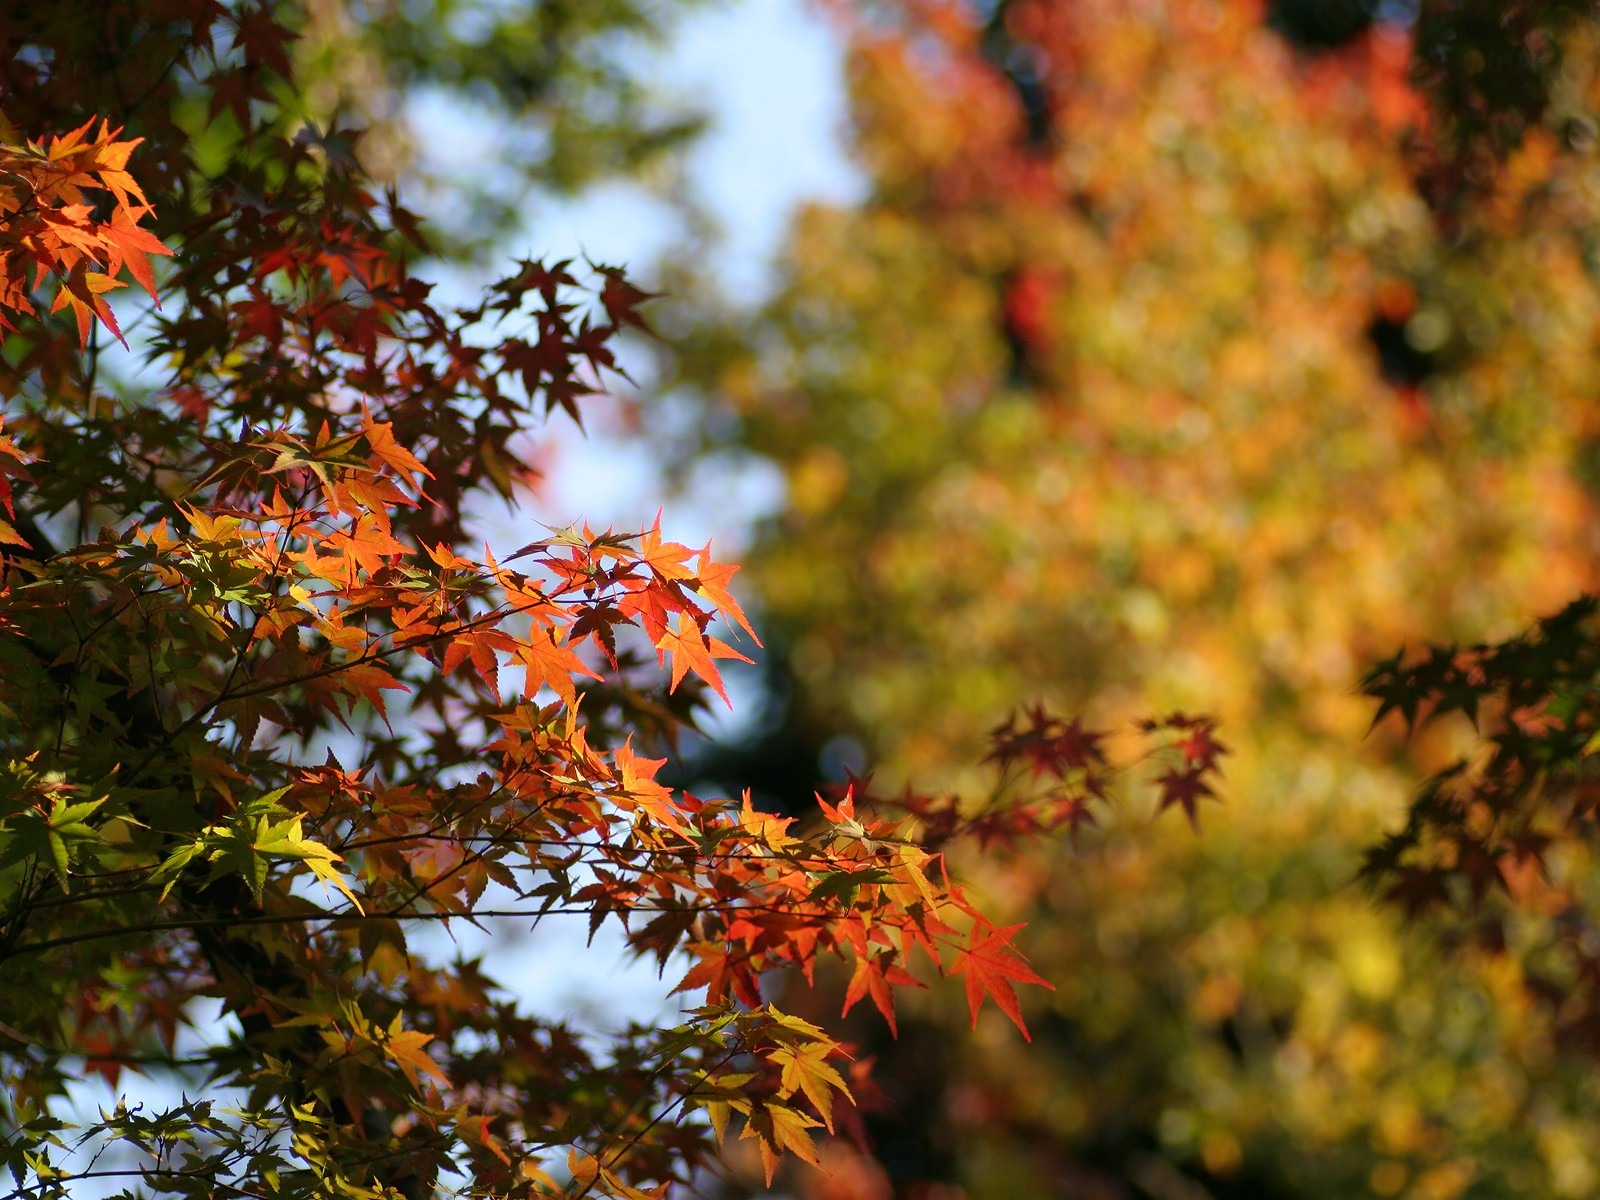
column 1225, row 361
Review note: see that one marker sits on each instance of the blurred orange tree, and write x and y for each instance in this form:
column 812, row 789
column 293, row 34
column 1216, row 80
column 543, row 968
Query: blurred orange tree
column 1226, row 348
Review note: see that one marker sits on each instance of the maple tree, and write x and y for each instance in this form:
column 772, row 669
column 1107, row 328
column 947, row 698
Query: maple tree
column 1199, row 354
column 267, row 713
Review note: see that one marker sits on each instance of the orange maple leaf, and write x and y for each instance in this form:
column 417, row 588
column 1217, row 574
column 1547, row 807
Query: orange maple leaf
column 548, row 661
column 405, row 1048
column 126, row 244
column 990, row 964
column 693, row 649
column 711, row 579
column 666, row 559
column 639, row 789
column 872, row 976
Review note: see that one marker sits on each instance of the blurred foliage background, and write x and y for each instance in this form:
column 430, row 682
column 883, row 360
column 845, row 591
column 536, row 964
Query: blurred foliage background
column 553, row 95
column 1184, row 354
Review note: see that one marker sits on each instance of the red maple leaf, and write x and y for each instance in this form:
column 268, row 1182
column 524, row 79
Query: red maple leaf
column 1185, row 789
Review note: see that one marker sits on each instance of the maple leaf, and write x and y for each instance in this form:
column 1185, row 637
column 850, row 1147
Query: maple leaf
column 263, row 39
column 380, row 438
column 1200, row 748
column 599, row 622
column 405, row 1047
column 109, row 161
column 128, row 245
column 779, row 1128
column 638, row 786
column 370, row 681
column 989, row 965
column 13, row 465
column 666, row 559
column 81, row 292
column 806, row 1069
column 621, row 299
column 714, row 972
column 1185, row 789
column 711, row 580
column 1074, row 812
column 872, row 975
column 550, row 663
column 694, row 650
column 259, row 832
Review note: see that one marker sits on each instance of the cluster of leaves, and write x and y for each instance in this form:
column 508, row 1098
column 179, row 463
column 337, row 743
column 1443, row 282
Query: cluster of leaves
column 1070, row 760
column 1504, row 838
column 51, row 228
column 1052, row 774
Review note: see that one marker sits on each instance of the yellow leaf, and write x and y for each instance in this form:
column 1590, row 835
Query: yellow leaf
column 405, row 1048
column 582, row 1167
column 778, row 1129
column 530, row 1170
